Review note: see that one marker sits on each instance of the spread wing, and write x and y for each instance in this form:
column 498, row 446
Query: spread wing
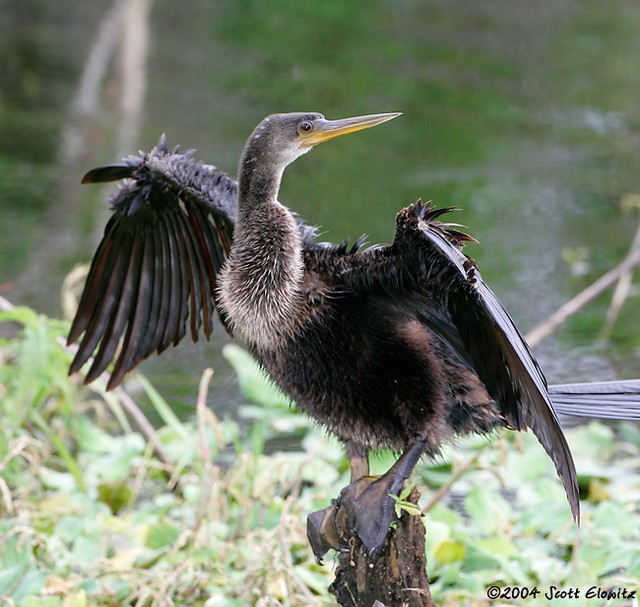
column 426, row 258
column 156, row 268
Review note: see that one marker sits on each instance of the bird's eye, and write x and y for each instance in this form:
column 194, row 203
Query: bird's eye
column 306, row 126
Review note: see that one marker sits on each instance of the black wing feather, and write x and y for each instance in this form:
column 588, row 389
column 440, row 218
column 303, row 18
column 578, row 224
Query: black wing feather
column 180, row 291
column 95, row 285
column 166, row 289
column 111, row 172
column 136, row 312
column 119, row 318
column 196, row 275
column 101, row 294
column 156, row 267
column 185, row 211
column 426, row 258
column 148, row 340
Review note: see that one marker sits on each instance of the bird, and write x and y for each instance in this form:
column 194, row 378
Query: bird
column 401, row 346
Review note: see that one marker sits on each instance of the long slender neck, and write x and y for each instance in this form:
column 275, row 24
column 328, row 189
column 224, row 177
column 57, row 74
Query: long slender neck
column 264, row 226
column 258, row 183
column 260, row 287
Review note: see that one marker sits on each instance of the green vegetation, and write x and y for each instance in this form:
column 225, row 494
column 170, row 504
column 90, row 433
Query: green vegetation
column 92, row 515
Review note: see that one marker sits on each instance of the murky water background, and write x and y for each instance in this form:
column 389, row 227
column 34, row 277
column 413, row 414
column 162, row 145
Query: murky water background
column 524, row 114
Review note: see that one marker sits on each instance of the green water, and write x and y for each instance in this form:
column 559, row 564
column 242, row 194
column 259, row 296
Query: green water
column 525, row 114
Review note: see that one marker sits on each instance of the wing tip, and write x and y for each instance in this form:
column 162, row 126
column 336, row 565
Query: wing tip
column 107, row 173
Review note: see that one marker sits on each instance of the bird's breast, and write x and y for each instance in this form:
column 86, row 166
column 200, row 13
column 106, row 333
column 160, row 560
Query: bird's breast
column 260, row 287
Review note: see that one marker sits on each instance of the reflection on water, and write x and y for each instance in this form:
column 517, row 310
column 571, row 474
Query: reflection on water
column 523, row 114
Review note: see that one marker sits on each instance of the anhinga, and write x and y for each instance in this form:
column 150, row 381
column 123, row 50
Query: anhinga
column 401, row 346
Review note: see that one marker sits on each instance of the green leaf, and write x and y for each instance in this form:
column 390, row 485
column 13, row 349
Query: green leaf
column 31, row 582
column 45, row 601
column 488, row 508
column 116, row 464
column 77, row 598
column 115, row 494
column 21, row 315
column 593, row 441
column 164, row 410
column 315, row 579
column 442, row 514
column 9, row 576
column 91, row 438
column 87, row 549
column 498, row 546
column 626, row 522
column 448, row 551
column 58, row 481
column 161, row 534
column 69, row 527
column 630, row 433
column 221, row 601
column 14, row 552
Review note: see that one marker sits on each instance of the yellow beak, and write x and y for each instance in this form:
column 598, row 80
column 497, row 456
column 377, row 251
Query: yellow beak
column 323, row 130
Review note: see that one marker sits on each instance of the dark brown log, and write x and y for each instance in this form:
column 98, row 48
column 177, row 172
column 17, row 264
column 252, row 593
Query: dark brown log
column 396, row 578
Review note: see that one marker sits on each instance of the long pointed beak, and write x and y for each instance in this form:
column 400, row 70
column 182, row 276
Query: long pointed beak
column 328, row 129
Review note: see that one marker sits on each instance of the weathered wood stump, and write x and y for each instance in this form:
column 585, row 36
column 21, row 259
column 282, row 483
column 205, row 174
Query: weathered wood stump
column 396, row 577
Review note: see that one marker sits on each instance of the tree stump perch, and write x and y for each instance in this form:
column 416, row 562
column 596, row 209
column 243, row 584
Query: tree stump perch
column 397, row 577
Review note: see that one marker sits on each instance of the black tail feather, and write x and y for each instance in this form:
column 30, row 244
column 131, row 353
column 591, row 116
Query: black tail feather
column 599, row 400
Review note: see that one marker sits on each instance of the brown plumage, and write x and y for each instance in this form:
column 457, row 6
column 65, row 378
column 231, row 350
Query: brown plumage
column 400, row 346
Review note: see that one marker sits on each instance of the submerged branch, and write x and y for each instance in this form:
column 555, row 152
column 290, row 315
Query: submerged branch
column 606, row 281
column 621, row 292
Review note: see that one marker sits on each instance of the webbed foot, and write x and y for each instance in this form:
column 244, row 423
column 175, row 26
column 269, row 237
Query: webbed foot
column 366, row 506
column 373, row 510
column 322, row 532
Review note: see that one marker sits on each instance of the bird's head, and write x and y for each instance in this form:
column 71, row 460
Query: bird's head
column 282, row 138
